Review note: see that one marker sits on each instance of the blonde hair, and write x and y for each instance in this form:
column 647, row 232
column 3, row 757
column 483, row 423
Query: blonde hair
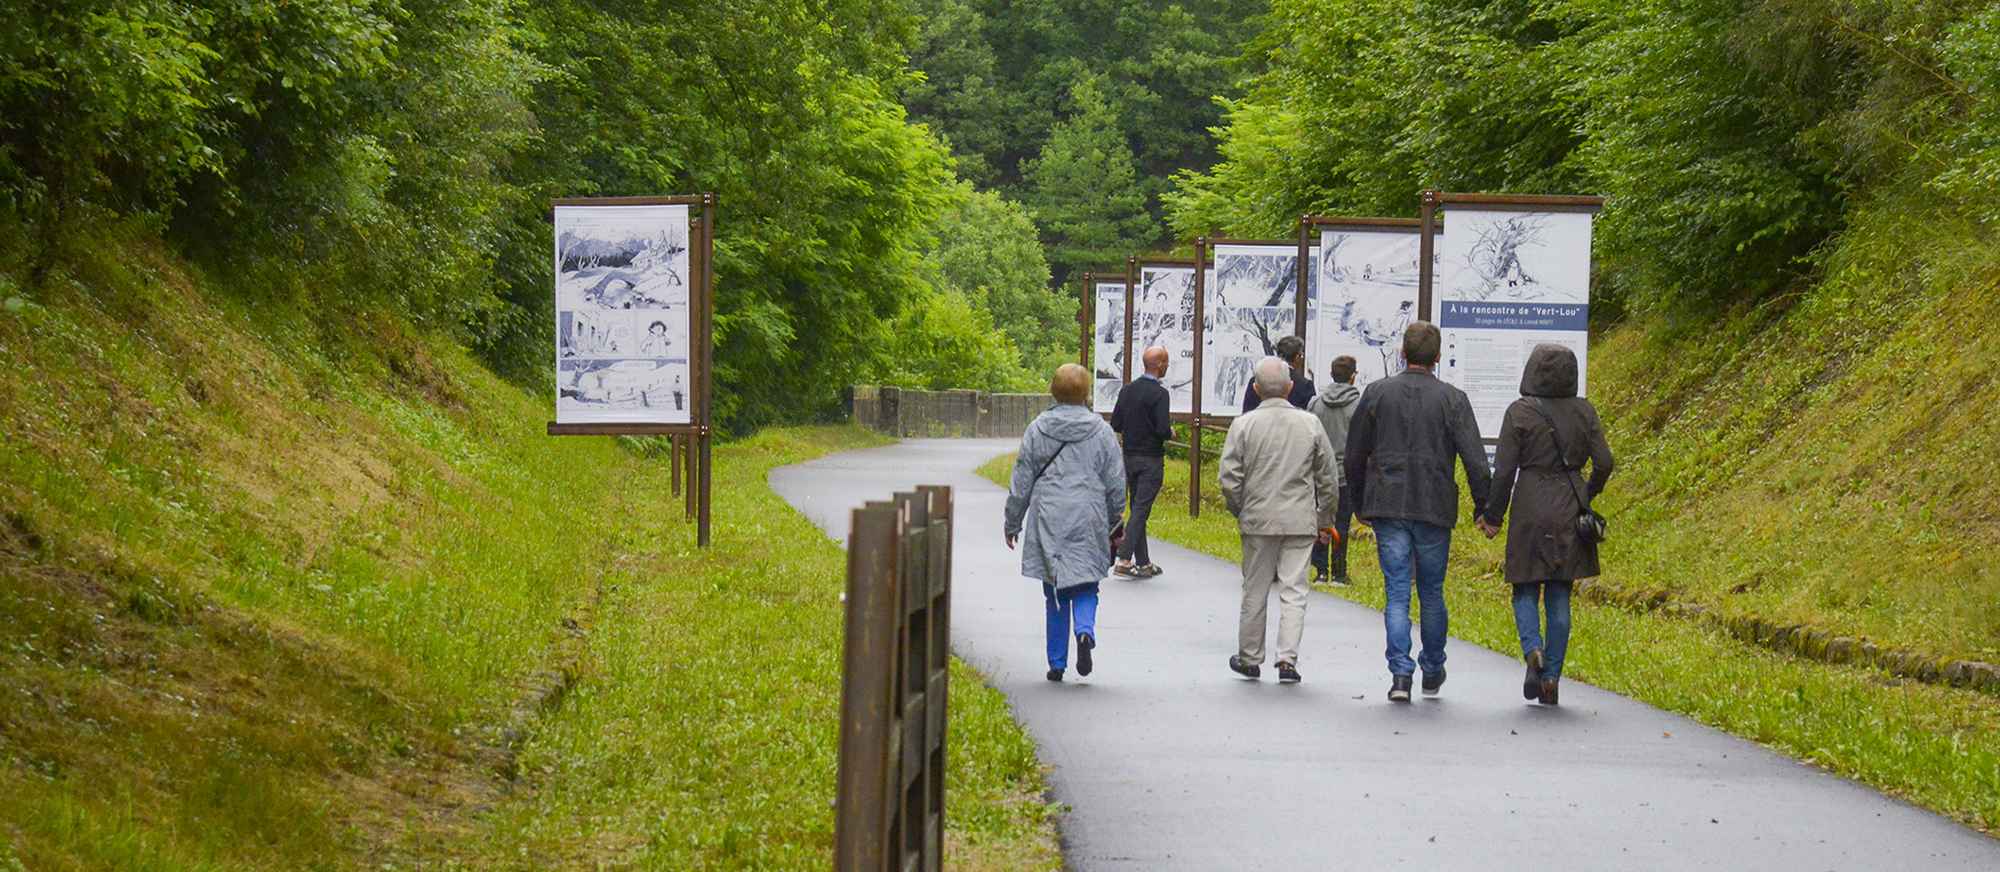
column 1071, row 384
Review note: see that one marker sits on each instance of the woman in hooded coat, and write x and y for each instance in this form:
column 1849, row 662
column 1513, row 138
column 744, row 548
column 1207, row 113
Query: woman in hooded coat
column 1068, row 493
column 1546, row 437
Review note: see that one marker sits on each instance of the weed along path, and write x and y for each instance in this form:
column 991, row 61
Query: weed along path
column 1169, row 761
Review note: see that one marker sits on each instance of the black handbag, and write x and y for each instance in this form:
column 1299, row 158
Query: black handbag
column 1591, row 527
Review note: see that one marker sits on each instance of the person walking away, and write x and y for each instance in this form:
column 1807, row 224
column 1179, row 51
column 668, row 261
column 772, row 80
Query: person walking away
column 1334, row 407
column 1143, row 416
column 1067, row 495
column 1277, row 478
column 1546, row 437
column 1292, row 350
column 1400, row 446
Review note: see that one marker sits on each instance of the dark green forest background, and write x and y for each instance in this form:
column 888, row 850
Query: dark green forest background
column 908, row 189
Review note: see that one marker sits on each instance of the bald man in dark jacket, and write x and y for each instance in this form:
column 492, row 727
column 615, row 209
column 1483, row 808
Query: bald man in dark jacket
column 1143, row 417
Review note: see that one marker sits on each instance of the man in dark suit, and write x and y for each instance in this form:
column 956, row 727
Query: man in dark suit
column 1142, row 417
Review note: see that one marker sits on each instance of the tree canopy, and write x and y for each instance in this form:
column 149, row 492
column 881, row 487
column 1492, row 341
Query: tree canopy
column 1733, row 138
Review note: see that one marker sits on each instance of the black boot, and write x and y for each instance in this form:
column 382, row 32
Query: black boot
column 1340, row 568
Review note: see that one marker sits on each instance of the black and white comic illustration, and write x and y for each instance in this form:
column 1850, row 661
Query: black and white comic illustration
column 1508, row 280
column 1252, row 302
column 1108, row 349
column 1514, row 257
column 1236, row 337
column 650, row 389
column 1365, row 296
column 622, row 314
column 1163, row 315
column 654, row 333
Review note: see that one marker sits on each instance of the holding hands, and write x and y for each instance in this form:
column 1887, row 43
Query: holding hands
column 1490, row 529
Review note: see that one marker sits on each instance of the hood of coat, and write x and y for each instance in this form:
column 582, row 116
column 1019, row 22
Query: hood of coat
column 1337, row 394
column 1068, row 423
column 1551, row 372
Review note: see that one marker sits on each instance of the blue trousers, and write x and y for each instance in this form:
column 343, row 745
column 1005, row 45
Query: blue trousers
column 1413, row 553
column 1554, row 597
column 1073, row 609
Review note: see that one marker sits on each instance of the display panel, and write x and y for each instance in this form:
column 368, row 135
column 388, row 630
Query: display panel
column 1108, row 349
column 1365, row 296
column 623, row 322
column 1251, row 303
column 1507, row 280
column 1163, row 315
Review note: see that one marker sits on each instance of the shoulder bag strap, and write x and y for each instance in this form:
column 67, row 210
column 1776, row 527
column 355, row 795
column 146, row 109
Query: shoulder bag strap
column 1045, row 468
column 1562, row 457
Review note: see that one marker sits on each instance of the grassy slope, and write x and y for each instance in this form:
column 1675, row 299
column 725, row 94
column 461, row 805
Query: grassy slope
column 272, row 586
column 1829, row 460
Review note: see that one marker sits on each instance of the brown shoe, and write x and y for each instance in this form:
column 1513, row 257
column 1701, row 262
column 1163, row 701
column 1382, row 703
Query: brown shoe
column 1548, row 691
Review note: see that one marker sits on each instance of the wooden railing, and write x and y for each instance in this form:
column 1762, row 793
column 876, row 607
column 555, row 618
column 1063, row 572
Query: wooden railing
column 889, row 813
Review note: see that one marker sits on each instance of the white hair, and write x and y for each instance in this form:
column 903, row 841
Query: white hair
column 1274, row 378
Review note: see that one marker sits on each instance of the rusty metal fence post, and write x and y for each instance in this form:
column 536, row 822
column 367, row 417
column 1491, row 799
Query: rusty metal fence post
column 889, row 814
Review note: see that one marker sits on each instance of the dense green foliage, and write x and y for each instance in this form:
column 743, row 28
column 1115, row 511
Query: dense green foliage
column 987, row 253
column 1085, row 192
column 398, row 155
column 1101, row 83
column 1733, row 137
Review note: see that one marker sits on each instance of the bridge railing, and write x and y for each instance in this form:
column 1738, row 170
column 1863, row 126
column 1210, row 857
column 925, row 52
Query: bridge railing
column 965, row 414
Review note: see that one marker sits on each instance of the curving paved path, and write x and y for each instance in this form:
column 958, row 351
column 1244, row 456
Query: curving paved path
column 1169, row 761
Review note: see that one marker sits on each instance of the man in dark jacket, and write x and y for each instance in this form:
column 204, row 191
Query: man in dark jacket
column 1142, row 417
column 1334, row 407
column 1291, row 350
column 1400, row 447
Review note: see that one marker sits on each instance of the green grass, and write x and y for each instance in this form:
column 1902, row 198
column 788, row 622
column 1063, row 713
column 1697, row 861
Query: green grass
column 273, row 583
column 703, row 735
column 1937, row 747
column 1827, row 458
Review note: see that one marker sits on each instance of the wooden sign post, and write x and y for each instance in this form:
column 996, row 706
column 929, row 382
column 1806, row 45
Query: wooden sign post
column 635, row 349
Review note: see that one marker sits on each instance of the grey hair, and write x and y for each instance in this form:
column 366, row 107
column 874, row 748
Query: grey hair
column 1274, row 378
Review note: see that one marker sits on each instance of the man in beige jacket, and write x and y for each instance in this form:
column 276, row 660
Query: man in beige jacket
column 1278, row 478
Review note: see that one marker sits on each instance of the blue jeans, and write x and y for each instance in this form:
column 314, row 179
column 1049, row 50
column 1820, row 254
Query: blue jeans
column 1072, row 606
column 1528, row 622
column 1413, row 551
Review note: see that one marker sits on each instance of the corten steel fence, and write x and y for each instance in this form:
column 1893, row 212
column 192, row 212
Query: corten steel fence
column 890, row 810
column 904, row 413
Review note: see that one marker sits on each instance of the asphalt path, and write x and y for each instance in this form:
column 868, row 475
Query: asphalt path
column 1169, row 761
